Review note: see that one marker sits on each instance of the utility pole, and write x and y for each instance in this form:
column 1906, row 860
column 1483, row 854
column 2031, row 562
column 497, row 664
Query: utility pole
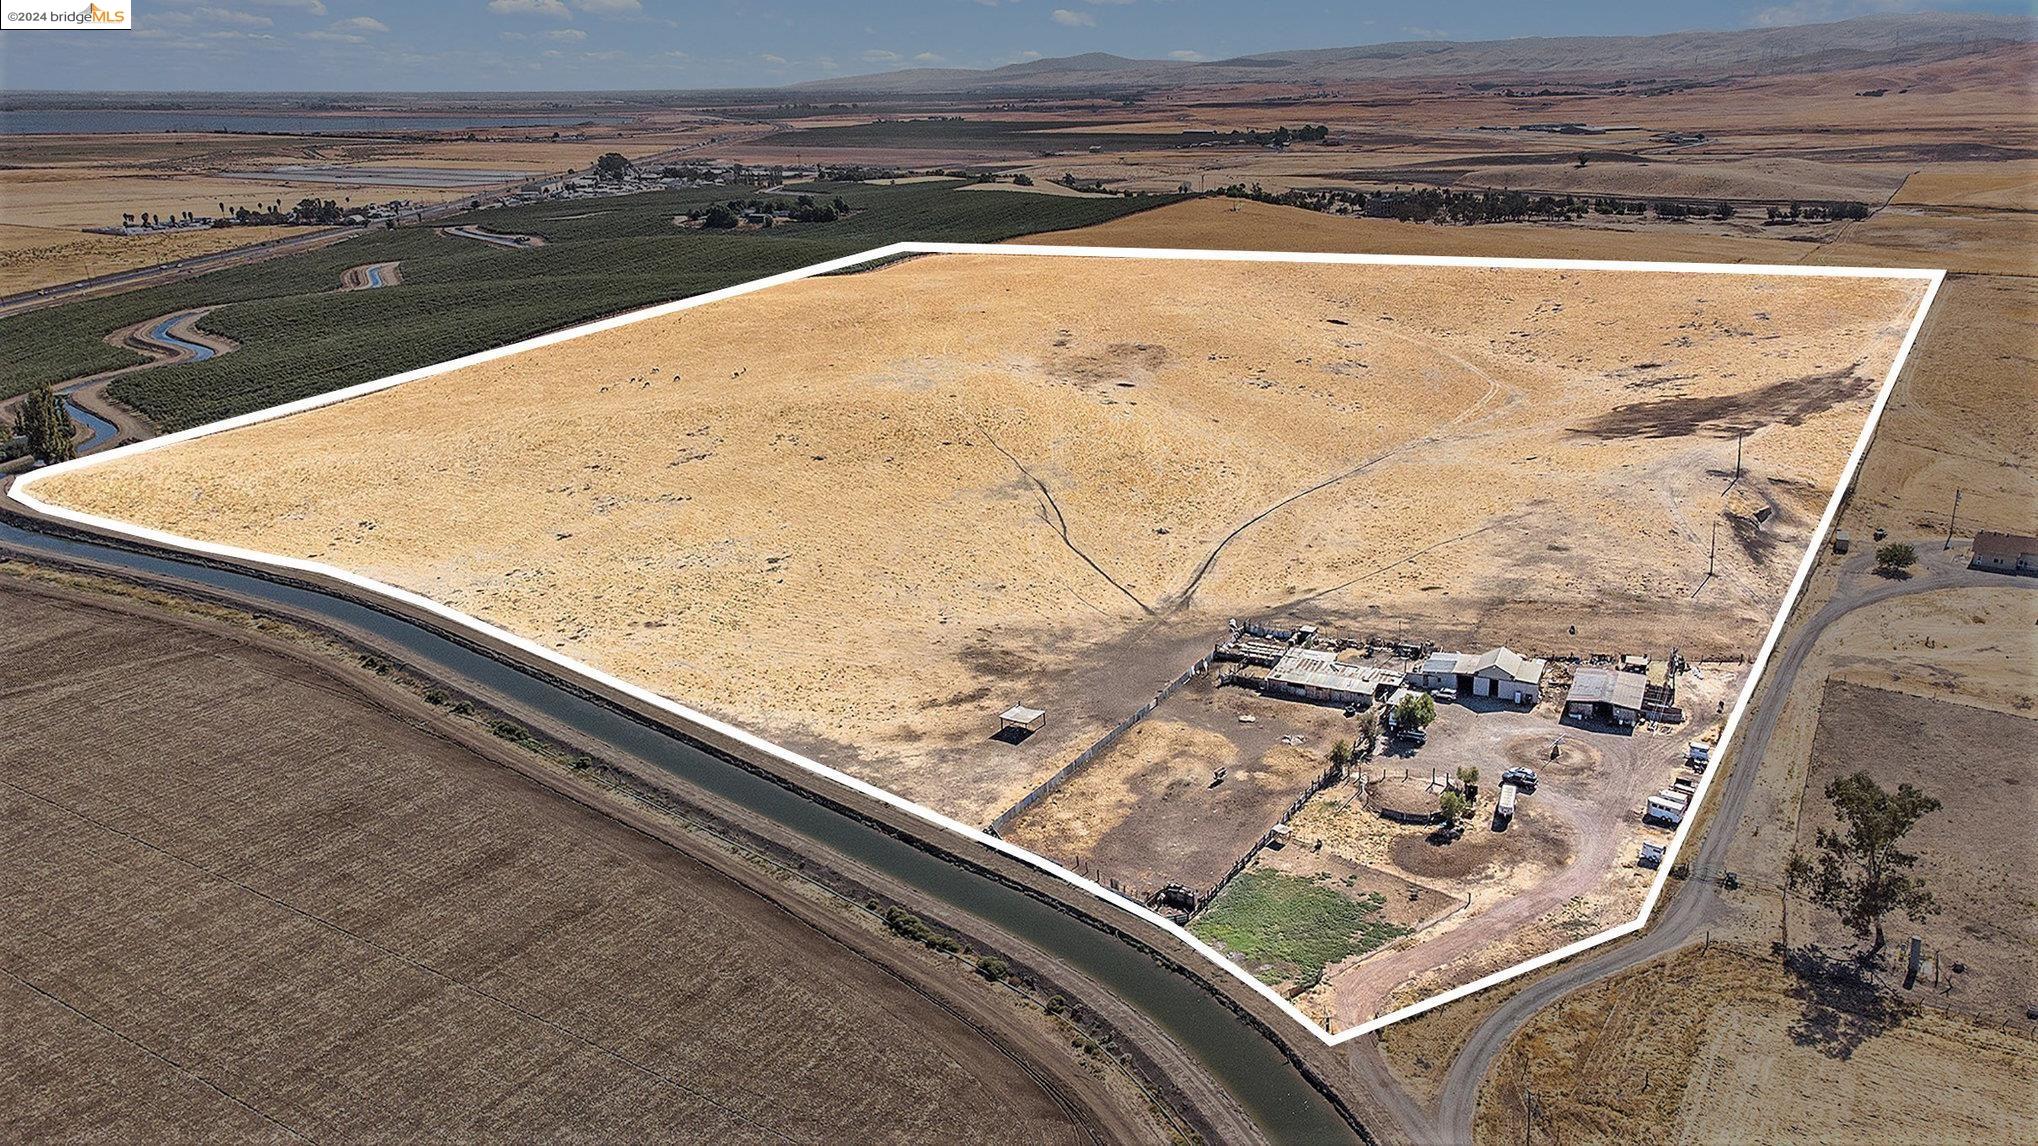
column 1712, row 550
column 1952, row 518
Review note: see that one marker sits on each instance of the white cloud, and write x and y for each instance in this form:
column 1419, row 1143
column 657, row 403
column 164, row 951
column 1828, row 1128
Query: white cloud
column 880, row 56
column 610, row 7
column 927, row 58
column 228, row 16
column 332, row 37
column 552, row 8
column 1068, row 19
column 360, row 24
column 314, row 7
column 774, row 61
column 1107, row 1
column 566, row 35
column 1424, row 33
column 1186, row 55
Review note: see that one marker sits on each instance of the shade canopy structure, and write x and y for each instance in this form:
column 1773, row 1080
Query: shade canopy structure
column 1021, row 718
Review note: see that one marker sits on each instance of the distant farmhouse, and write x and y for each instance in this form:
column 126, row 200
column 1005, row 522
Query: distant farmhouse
column 2005, row 552
column 1501, row 673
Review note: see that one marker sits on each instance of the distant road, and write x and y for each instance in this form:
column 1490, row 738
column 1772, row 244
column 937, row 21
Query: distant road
column 200, row 264
column 166, row 272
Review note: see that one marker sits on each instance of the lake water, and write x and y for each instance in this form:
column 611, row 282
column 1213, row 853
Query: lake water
column 82, row 121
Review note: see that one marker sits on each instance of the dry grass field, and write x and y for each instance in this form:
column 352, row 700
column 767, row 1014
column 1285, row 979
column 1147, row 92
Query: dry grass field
column 967, row 484
column 1987, row 893
column 38, row 256
column 1720, row 1045
column 247, row 901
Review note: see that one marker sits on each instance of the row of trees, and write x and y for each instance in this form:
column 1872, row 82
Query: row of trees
column 1442, row 205
column 1817, row 212
column 722, row 216
column 1283, row 135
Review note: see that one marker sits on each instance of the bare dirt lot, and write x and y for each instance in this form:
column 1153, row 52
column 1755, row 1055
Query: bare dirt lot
column 1986, row 889
column 243, row 902
column 966, row 484
column 1150, row 811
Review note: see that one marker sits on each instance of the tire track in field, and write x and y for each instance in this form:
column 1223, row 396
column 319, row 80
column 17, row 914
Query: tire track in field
column 1052, row 514
column 1494, row 387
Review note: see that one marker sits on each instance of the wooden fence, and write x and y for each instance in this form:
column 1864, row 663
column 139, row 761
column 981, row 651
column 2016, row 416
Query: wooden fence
column 1046, row 787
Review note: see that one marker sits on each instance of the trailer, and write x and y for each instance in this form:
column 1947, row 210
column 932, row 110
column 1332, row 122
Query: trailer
column 1663, row 811
column 1652, row 856
column 1699, row 754
column 1505, row 810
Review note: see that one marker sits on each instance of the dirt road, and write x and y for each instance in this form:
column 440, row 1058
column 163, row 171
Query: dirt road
column 513, row 242
column 1691, row 908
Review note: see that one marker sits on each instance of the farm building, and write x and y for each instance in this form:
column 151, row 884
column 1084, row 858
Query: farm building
column 1501, row 673
column 1317, row 674
column 1606, row 694
column 2005, row 552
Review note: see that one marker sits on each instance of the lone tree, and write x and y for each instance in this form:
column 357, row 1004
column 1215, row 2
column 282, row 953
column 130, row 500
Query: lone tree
column 1895, row 557
column 1859, row 872
column 1454, row 806
column 1341, row 756
column 1368, row 729
column 41, row 419
column 611, row 167
column 1416, row 710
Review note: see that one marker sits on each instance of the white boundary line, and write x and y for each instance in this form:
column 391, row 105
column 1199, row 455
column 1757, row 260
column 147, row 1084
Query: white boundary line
column 168, row 540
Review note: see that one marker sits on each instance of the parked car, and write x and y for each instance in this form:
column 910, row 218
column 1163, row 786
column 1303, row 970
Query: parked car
column 1444, row 695
column 1415, row 736
column 1523, row 778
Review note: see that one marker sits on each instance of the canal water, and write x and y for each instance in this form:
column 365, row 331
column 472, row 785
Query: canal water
column 1265, row 1083
column 102, row 430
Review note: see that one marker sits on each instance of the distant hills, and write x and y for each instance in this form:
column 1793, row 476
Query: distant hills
column 1869, row 41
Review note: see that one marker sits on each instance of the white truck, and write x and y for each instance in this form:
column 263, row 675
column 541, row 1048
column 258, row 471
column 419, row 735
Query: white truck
column 1504, row 811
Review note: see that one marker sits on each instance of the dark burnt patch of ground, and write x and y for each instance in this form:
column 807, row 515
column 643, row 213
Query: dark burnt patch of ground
column 1788, row 402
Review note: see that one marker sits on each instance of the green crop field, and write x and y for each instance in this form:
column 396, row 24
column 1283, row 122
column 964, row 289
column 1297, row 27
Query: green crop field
column 1287, row 929
column 300, row 335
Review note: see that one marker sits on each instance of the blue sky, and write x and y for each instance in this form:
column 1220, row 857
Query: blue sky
column 472, row 45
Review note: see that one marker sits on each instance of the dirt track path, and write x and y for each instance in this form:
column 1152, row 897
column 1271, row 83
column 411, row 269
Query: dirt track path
column 513, row 242
column 1470, row 414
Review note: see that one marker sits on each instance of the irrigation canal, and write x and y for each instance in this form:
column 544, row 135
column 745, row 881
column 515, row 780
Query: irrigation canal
column 1269, row 1087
